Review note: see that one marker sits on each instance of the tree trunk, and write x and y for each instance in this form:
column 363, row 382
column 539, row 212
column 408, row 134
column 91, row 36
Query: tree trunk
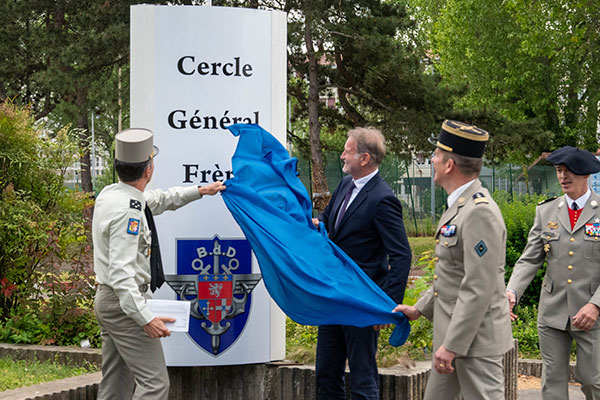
column 84, row 141
column 320, row 189
column 352, row 114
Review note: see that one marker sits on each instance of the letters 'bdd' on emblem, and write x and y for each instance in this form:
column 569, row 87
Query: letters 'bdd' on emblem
column 216, row 276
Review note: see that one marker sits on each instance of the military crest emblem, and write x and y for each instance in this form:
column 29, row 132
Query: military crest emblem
column 216, row 276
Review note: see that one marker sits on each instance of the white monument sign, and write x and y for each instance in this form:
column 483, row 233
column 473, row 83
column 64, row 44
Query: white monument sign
column 195, row 71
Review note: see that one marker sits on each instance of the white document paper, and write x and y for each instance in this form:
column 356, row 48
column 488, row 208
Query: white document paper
column 180, row 310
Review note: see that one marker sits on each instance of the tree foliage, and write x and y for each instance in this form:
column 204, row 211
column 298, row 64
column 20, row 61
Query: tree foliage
column 41, row 224
column 371, row 60
column 534, row 64
column 65, row 57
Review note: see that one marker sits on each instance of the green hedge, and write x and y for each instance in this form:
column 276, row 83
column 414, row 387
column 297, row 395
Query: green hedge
column 518, row 215
column 46, row 275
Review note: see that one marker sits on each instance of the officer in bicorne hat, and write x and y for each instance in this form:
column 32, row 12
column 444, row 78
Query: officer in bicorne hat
column 127, row 262
column 467, row 303
column 566, row 234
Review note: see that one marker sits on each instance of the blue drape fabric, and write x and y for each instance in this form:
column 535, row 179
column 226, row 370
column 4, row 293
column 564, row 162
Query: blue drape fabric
column 308, row 276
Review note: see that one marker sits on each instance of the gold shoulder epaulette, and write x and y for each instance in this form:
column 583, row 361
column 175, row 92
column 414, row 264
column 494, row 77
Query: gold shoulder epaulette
column 547, row 200
column 479, row 198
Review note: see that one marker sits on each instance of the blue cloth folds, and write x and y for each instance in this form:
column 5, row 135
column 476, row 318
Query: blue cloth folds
column 308, row 276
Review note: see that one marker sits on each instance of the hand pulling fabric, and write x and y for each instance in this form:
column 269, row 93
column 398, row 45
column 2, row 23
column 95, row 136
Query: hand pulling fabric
column 308, row 276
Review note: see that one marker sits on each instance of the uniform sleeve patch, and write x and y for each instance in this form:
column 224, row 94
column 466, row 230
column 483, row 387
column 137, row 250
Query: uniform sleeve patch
column 479, row 198
column 133, row 227
column 133, row 203
column 480, row 248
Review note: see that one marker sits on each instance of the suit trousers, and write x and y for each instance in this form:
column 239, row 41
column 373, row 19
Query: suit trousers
column 476, row 378
column 133, row 364
column 335, row 344
column 555, row 346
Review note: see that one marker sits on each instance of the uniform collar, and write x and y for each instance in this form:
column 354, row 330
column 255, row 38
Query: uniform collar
column 134, row 192
column 452, row 197
column 581, row 201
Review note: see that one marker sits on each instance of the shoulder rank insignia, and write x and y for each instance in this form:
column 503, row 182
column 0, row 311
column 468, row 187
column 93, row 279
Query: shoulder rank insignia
column 480, row 248
column 133, row 227
column 448, row 230
column 133, row 203
column 547, row 200
column 479, row 198
column 592, row 230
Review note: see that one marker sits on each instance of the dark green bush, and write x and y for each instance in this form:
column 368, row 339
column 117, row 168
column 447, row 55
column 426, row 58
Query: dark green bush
column 525, row 331
column 46, row 277
column 518, row 215
column 420, row 340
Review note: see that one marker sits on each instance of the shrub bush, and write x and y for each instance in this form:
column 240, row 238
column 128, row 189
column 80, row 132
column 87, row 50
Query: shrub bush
column 518, row 217
column 420, row 340
column 525, row 331
column 46, row 281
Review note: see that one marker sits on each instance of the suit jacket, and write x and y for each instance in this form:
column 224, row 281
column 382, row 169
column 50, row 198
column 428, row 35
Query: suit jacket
column 467, row 300
column 573, row 255
column 372, row 233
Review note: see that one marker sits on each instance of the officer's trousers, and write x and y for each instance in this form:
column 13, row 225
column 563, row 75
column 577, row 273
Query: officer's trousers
column 133, row 364
column 476, row 378
column 555, row 346
column 335, row 344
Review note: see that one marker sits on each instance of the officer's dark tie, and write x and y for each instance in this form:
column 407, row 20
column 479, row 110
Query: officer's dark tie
column 157, row 275
column 344, row 205
column 574, row 213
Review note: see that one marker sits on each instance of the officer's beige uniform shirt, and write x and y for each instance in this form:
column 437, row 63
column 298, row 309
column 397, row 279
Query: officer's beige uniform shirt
column 573, row 274
column 467, row 300
column 122, row 259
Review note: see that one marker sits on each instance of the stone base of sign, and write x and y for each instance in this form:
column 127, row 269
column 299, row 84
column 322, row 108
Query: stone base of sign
column 270, row 381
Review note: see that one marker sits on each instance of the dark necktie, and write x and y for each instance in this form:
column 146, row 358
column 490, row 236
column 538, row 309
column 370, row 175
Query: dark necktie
column 574, row 212
column 344, row 205
column 157, row 275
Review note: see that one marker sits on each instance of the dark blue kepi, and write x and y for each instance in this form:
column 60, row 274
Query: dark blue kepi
column 308, row 276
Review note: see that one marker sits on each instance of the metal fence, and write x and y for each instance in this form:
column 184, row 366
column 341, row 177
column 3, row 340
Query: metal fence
column 423, row 201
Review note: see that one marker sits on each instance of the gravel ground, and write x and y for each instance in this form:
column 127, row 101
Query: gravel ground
column 530, row 389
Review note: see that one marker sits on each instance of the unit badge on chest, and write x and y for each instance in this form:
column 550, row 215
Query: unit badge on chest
column 448, row 230
column 592, row 229
column 552, row 225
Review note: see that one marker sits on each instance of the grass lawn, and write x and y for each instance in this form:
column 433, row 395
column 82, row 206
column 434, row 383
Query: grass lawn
column 20, row 373
column 420, row 244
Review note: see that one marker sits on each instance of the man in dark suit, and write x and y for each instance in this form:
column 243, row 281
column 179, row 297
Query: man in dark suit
column 364, row 218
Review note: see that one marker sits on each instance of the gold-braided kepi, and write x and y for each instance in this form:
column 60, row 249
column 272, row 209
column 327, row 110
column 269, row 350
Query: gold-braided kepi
column 463, row 139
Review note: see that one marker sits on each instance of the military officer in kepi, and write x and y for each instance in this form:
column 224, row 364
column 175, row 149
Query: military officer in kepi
column 566, row 234
column 467, row 302
column 127, row 262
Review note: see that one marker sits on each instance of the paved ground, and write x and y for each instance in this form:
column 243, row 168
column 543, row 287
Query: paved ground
column 529, row 389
